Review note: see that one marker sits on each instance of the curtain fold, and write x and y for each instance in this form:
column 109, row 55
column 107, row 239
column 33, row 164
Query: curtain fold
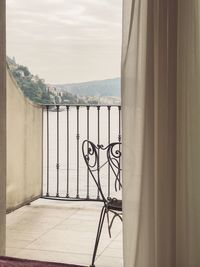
column 161, row 133
column 188, row 132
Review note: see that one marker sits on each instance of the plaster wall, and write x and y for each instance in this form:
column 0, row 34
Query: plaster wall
column 2, row 128
column 24, row 147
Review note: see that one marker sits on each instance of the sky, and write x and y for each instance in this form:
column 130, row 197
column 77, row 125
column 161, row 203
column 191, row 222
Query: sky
column 66, row 41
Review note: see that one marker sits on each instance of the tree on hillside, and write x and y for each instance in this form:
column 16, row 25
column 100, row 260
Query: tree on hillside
column 24, row 69
column 34, row 89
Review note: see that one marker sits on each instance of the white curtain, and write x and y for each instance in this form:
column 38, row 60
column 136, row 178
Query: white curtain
column 161, row 133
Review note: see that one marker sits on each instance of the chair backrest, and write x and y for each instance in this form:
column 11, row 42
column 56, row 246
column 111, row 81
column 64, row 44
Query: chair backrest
column 91, row 155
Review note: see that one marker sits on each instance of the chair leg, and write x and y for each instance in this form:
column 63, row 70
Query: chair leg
column 99, row 230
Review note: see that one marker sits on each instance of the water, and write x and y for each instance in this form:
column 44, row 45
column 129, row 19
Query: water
column 93, row 136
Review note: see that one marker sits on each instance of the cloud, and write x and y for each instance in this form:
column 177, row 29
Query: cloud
column 63, row 27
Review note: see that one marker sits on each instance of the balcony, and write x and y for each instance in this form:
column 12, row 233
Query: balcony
column 61, row 221
column 62, row 232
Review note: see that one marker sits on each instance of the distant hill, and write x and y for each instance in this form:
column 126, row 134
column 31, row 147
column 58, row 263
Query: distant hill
column 36, row 89
column 31, row 85
column 109, row 87
column 92, row 92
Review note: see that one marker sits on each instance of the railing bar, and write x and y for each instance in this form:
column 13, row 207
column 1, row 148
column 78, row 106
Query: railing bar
column 88, row 137
column 72, row 199
column 67, row 195
column 47, row 193
column 47, row 133
column 75, row 105
column 58, row 164
column 77, row 137
column 119, row 139
column 98, row 137
column 42, row 169
column 109, row 107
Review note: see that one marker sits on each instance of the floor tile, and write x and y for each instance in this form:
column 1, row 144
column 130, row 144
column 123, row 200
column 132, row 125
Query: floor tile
column 62, row 232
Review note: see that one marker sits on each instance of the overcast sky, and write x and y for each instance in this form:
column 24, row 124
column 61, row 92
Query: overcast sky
column 66, row 41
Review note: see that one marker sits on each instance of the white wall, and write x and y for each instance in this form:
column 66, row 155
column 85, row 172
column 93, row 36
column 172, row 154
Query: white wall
column 24, row 147
column 2, row 128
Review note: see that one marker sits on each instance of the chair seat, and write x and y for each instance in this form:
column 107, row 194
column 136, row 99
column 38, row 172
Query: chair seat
column 115, row 204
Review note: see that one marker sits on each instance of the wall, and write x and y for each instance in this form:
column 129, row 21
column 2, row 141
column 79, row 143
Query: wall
column 24, row 147
column 2, row 128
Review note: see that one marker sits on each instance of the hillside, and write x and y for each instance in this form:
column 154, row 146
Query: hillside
column 92, row 92
column 36, row 89
column 31, row 85
column 109, row 87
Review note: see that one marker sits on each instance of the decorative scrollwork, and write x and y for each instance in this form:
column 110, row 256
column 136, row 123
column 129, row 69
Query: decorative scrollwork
column 114, row 157
column 91, row 154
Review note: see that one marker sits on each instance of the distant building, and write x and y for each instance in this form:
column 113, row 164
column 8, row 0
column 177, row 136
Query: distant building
column 61, row 94
column 21, row 73
column 109, row 100
column 66, row 101
column 35, row 78
column 52, row 89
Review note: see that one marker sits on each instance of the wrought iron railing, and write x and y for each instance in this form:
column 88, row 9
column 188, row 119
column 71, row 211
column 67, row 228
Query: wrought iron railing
column 65, row 175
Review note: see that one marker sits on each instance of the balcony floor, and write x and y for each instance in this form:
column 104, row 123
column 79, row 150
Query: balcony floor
column 62, row 232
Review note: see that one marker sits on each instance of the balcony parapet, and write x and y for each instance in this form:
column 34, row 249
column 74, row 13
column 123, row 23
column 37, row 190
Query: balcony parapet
column 24, row 147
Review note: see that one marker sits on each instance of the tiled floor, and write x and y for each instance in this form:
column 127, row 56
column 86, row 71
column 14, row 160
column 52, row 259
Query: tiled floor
column 63, row 232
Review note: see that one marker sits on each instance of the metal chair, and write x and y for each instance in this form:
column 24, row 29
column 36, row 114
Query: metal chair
column 111, row 205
